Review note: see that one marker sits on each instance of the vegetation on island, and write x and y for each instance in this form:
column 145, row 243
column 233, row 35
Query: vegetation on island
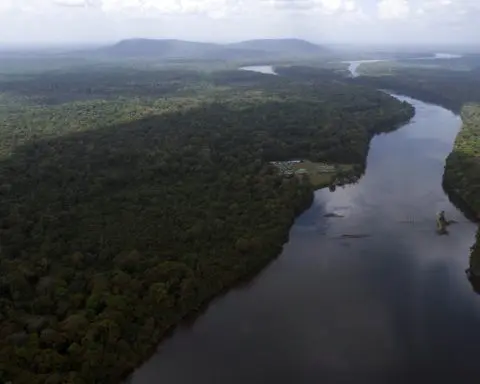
column 130, row 198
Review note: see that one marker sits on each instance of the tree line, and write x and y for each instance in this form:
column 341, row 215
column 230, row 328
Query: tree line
column 451, row 89
column 462, row 172
column 123, row 211
column 459, row 91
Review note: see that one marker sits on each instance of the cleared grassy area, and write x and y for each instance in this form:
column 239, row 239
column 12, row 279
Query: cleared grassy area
column 322, row 175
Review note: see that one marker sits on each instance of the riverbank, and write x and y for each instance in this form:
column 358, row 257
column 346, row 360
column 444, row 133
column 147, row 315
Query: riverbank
column 344, row 174
column 387, row 121
column 462, row 171
column 320, row 175
column 358, row 310
column 454, row 90
column 136, row 222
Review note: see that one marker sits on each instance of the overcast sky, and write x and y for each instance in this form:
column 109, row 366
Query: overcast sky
column 353, row 21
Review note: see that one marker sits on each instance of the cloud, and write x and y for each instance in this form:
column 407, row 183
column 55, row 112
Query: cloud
column 6, row 6
column 78, row 3
column 211, row 8
column 350, row 6
column 332, row 5
column 393, row 9
column 222, row 8
column 71, row 3
column 346, row 20
column 324, row 6
column 294, row 4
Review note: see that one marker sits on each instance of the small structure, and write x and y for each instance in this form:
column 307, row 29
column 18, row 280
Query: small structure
column 301, row 171
column 326, row 168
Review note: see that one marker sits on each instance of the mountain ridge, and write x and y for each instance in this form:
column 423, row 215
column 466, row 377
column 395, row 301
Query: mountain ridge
column 184, row 49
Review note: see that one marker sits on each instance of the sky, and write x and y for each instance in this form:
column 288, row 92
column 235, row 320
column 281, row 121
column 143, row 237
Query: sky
column 328, row 21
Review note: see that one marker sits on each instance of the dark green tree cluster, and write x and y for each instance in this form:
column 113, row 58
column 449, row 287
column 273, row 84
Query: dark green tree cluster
column 448, row 88
column 462, row 170
column 67, row 85
column 109, row 236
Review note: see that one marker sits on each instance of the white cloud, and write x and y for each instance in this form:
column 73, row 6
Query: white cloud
column 6, row 5
column 350, row 6
column 211, row 8
column 71, row 3
column 393, row 9
column 324, row 6
column 234, row 19
column 331, row 5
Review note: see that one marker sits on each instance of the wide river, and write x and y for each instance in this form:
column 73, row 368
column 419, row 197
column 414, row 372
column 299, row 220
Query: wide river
column 393, row 307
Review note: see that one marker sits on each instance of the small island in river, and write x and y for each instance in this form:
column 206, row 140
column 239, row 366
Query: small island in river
column 455, row 85
column 400, row 282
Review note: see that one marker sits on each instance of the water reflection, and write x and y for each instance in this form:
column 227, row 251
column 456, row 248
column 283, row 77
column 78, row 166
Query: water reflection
column 390, row 307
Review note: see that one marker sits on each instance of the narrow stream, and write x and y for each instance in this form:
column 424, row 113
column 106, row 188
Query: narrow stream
column 392, row 307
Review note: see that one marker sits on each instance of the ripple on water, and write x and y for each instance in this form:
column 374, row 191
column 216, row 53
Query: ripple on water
column 391, row 307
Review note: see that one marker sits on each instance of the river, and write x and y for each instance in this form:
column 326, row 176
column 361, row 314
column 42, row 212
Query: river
column 392, row 307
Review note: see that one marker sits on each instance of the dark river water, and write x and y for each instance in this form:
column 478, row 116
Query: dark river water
column 392, row 307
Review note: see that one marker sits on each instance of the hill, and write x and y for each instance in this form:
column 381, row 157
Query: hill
column 155, row 48
column 179, row 49
column 175, row 49
column 290, row 46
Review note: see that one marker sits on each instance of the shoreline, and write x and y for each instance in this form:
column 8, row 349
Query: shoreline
column 461, row 169
column 301, row 207
column 469, row 206
column 194, row 313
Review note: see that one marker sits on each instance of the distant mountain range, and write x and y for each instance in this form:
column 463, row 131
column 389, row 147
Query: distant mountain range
column 179, row 49
column 281, row 45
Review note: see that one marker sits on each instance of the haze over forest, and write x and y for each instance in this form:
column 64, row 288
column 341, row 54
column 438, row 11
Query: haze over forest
column 320, row 21
column 240, row 165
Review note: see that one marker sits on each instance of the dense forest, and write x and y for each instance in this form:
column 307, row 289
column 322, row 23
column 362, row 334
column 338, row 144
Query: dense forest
column 130, row 199
column 451, row 89
column 457, row 90
column 462, row 170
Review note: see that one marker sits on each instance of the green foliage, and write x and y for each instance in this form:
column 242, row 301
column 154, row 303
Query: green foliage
column 460, row 92
column 462, row 170
column 451, row 89
column 467, row 62
column 121, row 215
column 475, row 255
